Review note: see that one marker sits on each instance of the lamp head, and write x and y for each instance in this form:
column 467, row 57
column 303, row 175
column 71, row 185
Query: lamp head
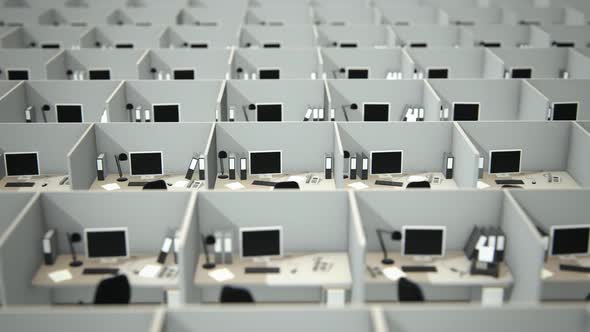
column 346, row 154
column 123, row 157
column 342, row 70
column 129, row 106
column 222, row 154
column 45, row 108
column 248, row 44
column 153, row 70
column 33, row 44
column 69, row 72
column 251, row 107
column 75, row 237
column 185, row 44
column 97, row 44
column 354, row 106
column 210, row 240
column 396, row 236
column 239, row 69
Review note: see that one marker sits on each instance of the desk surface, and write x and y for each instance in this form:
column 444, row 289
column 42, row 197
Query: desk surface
column 221, row 184
column 567, row 182
column 175, row 183
column 42, row 183
column 296, row 270
column 444, row 276
column 558, row 276
column 130, row 267
column 445, row 184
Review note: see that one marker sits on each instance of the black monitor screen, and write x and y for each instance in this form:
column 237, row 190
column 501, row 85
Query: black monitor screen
column 184, row 74
column 386, row 162
column 124, row 45
column 99, row 74
column 570, row 241
column 265, row 163
column 505, row 161
column 565, row 111
column 465, row 112
column 272, row 45
column 49, row 45
column 418, row 45
column 491, row 44
column 438, row 73
column 427, row 242
column 146, row 163
column 358, row 73
column 69, row 113
column 564, row 44
column 348, row 45
column 107, row 243
column 18, row 164
column 166, row 113
column 522, row 73
column 376, row 112
column 270, row 74
column 269, row 112
column 199, row 45
column 18, row 75
column 261, row 243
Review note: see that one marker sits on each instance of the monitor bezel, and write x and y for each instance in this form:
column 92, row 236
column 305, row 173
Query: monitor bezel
column 422, row 227
column 263, row 151
column 504, row 150
column 27, row 152
column 106, row 229
column 166, row 104
column 561, row 103
column 385, row 151
column 243, row 230
column 69, row 104
column 281, row 104
column 562, row 227
column 378, row 103
column 145, row 152
column 467, row 103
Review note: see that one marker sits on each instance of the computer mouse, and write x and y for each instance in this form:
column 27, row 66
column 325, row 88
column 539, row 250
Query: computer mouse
column 44, row 185
column 534, row 182
column 169, row 184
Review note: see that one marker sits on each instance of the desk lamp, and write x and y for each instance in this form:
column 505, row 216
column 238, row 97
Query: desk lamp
column 222, row 155
column 395, row 236
column 346, row 156
column 208, row 241
column 74, row 238
column 118, row 159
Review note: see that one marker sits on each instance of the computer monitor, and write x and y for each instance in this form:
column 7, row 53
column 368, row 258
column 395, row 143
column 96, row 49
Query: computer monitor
column 261, row 241
column 387, row 162
column 465, row 111
column 200, row 45
column 166, row 112
column 111, row 242
column 505, row 161
column 272, row 45
column 269, row 74
column 570, row 240
column 265, row 162
column 521, row 73
column 124, row 45
column 184, row 74
column 418, row 45
column 18, row 74
column 269, row 112
column 69, row 113
column 423, row 241
column 357, row 73
column 438, row 73
column 375, row 111
column 565, row 111
column 146, row 163
column 50, row 45
column 21, row 163
column 349, row 44
column 99, row 74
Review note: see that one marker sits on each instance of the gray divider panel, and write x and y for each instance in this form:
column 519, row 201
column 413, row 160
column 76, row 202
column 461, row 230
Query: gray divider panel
column 466, row 161
column 461, row 63
column 579, row 155
column 11, row 204
column 560, row 91
column 289, row 36
column 207, row 64
column 12, row 104
column 545, row 63
column 189, row 250
column 357, row 244
column 433, row 35
column 33, row 60
column 533, row 103
column 378, row 61
column 82, row 161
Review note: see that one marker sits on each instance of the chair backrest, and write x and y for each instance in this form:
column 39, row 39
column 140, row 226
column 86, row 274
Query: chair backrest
column 418, row 184
column 287, row 185
column 114, row 290
column 231, row 294
column 408, row 291
column 158, row 184
column 511, row 186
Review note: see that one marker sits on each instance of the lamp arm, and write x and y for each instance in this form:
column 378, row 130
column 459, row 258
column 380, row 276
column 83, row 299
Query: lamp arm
column 381, row 242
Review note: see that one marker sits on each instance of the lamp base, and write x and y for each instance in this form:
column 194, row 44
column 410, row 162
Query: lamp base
column 122, row 179
column 223, row 176
column 76, row 263
column 208, row 266
column 345, row 176
column 387, row 261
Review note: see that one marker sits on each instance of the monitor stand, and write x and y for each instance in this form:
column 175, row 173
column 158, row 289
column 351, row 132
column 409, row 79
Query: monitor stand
column 423, row 259
column 108, row 261
column 265, row 260
column 265, row 176
column 503, row 175
column 148, row 177
column 25, row 178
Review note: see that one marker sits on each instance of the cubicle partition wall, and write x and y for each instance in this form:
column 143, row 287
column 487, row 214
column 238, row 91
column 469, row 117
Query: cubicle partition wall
column 345, row 14
column 145, row 16
column 287, row 36
column 124, row 37
column 12, row 204
column 377, row 63
column 215, row 14
column 409, row 13
column 563, row 36
column 167, row 64
column 546, row 63
column 278, row 15
column 541, row 16
column 470, row 16
column 276, row 64
column 556, row 92
column 295, row 98
column 498, row 35
column 36, row 36
column 17, row 64
column 80, row 16
column 427, row 35
column 453, row 63
column 99, row 65
column 27, row 280
column 200, row 37
column 361, row 35
column 7, row 86
column 21, row 16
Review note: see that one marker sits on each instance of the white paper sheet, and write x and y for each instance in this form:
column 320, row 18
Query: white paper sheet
column 111, row 186
column 235, row 186
column 358, row 186
column 221, row 275
column 60, row 275
column 393, row 273
column 150, row 271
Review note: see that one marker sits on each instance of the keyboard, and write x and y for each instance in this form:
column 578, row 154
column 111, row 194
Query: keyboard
column 250, row 270
column 136, row 184
column 509, row 181
column 263, row 183
column 418, row 268
column 389, row 183
column 19, row 184
column 100, row 270
column 574, row 268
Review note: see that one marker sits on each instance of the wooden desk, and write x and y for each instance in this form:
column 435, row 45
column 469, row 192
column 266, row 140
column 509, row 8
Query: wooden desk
column 221, row 184
column 42, row 183
column 445, row 184
column 565, row 285
column 171, row 180
column 538, row 178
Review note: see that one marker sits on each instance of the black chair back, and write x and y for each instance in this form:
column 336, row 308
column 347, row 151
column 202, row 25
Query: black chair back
column 418, row 184
column 158, row 184
column 408, row 291
column 287, row 185
column 231, row 294
column 114, row 290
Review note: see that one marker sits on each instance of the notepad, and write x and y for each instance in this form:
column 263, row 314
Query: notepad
column 296, row 178
column 545, row 274
column 482, row 185
column 111, row 186
column 358, row 185
column 150, row 271
column 393, row 273
column 235, row 186
column 60, row 275
column 221, row 275
column 180, row 184
column 417, row 178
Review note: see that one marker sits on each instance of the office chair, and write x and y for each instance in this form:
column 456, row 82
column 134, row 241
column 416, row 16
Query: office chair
column 408, row 291
column 114, row 290
column 231, row 294
column 158, row 184
column 418, row 184
column 287, row 185
column 588, row 298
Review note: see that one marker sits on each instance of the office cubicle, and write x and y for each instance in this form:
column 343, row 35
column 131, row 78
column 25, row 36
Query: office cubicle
column 352, row 36
column 57, row 101
column 408, row 14
column 398, row 154
column 453, row 63
column 543, row 63
column 544, row 155
column 86, row 16
column 365, row 62
column 276, row 64
column 344, row 14
column 298, row 162
column 123, row 37
column 161, row 151
column 50, row 146
column 199, row 37
column 348, row 99
column 144, row 17
column 36, row 36
column 336, row 244
column 556, row 93
column 27, row 280
column 563, row 36
column 187, row 64
column 564, row 208
column 427, row 35
column 470, row 16
column 23, row 64
column 198, row 101
column 14, row 16
column 278, row 15
column 457, row 212
column 215, row 15
column 295, row 97
column 498, row 35
column 288, row 36
column 542, row 16
column 96, row 64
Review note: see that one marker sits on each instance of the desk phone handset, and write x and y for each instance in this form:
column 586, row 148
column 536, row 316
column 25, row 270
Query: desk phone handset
column 320, row 265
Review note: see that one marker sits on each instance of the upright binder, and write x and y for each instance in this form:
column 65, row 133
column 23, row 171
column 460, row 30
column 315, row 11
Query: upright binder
column 353, row 166
column 100, row 167
column 364, row 167
column 328, row 166
column 448, row 164
column 191, row 168
column 50, row 247
column 201, row 167
column 243, row 168
column 232, row 166
column 164, row 250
